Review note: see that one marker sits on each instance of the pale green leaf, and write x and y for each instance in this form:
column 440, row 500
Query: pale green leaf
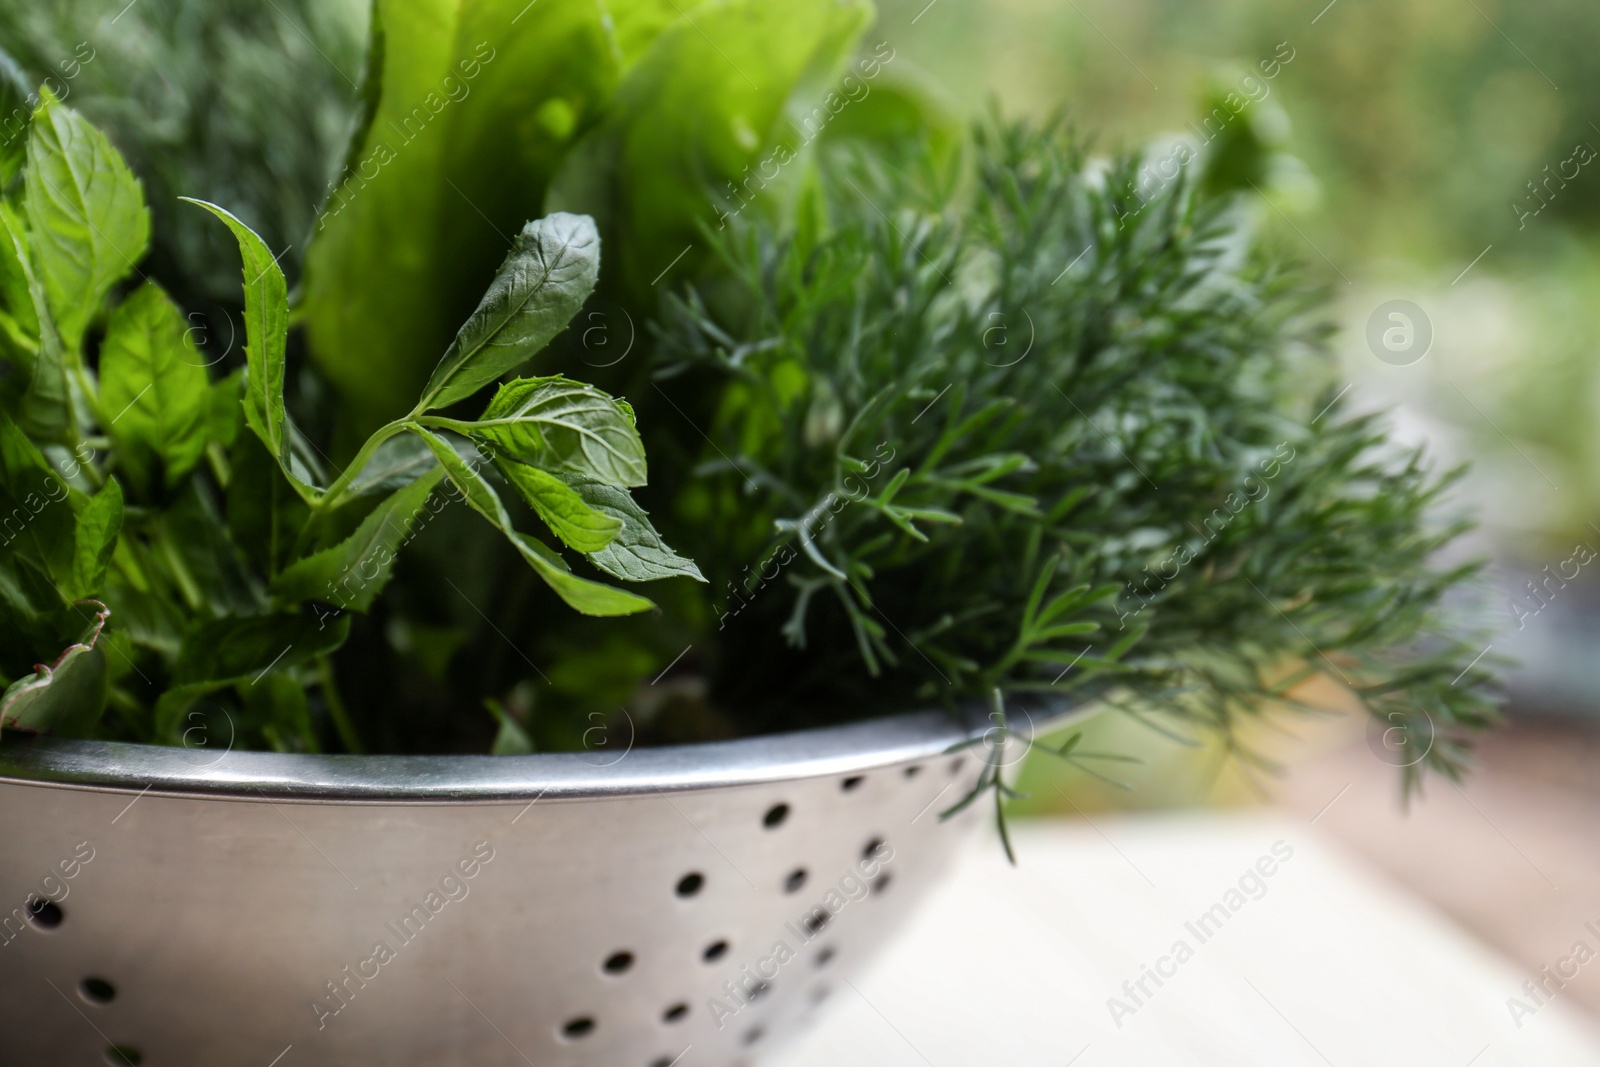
column 86, row 215
column 590, row 598
column 638, row 554
column 266, row 318
column 543, row 282
column 575, row 522
column 67, row 695
column 153, row 385
column 562, row 425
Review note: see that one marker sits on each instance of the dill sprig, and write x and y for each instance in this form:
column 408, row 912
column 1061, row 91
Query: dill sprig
column 1018, row 423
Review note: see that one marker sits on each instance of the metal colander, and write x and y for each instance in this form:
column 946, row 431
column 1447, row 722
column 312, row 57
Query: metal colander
column 170, row 907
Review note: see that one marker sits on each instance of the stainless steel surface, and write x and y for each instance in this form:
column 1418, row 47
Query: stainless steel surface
column 270, row 909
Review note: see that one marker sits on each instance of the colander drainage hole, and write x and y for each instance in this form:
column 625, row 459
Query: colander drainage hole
column 580, row 1027
column 675, row 1014
column 715, row 951
column 816, row 921
column 956, row 765
column 45, row 914
column 663, row 1061
column 796, row 879
column 97, row 991
column 691, row 883
column 870, row 850
column 913, row 770
column 124, row 1056
column 882, row 883
column 825, row 955
column 850, row 783
column 755, row 1034
column 617, row 963
column 775, row 816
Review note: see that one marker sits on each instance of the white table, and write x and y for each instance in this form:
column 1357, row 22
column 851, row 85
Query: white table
column 1329, row 967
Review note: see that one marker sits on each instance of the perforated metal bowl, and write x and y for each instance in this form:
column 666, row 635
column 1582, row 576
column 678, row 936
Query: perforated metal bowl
column 693, row 906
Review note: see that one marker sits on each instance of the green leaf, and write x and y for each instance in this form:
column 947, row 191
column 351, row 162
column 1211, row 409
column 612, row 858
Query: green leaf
column 86, row 215
column 15, row 113
column 511, row 739
column 37, row 508
column 352, row 573
column 95, row 539
column 638, row 554
column 543, row 282
column 708, row 104
column 575, row 522
column 44, row 409
column 234, row 649
column 395, row 464
column 67, row 695
column 559, row 424
column 479, row 103
column 154, row 387
column 266, row 318
column 590, row 598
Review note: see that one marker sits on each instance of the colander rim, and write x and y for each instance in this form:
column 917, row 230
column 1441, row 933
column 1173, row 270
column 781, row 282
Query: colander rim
column 844, row 750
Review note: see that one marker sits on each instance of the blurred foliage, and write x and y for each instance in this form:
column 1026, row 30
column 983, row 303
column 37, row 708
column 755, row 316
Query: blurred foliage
column 238, row 102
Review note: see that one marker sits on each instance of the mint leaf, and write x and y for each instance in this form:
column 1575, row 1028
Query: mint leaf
column 95, row 538
column 396, row 463
column 543, row 282
column 559, row 424
column 266, row 318
column 154, row 386
column 590, row 598
column 569, row 517
column 68, row 694
column 86, row 215
column 353, row 572
column 638, row 554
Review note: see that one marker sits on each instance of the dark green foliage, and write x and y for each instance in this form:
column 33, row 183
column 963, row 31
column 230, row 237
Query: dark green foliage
column 1032, row 435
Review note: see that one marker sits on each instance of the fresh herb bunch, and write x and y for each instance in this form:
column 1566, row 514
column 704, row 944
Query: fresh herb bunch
column 1038, row 431
column 156, row 553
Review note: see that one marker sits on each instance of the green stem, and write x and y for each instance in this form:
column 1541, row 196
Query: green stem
column 336, row 708
column 342, row 483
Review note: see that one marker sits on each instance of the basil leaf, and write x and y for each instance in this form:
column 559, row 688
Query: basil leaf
column 590, row 598
column 44, row 408
column 68, row 694
column 266, row 319
column 94, row 540
column 559, row 424
column 574, row 521
column 204, row 556
column 638, row 554
column 154, row 387
column 15, row 113
column 543, row 282
column 86, row 215
column 353, row 572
